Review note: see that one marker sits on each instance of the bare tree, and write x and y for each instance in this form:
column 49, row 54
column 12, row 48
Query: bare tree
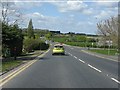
column 4, row 12
column 109, row 30
column 10, row 15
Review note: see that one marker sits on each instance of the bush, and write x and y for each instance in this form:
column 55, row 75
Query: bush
column 34, row 44
column 44, row 46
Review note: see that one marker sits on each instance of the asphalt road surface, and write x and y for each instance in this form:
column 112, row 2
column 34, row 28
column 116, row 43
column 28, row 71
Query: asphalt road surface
column 75, row 69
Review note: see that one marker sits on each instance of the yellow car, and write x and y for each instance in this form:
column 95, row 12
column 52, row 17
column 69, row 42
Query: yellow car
column 58, row 49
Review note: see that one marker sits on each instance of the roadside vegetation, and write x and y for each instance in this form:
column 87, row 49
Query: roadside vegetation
column 16, row 41
column 88, row 41
column 10, row 64
column 76, row 40
column 106, row 38
column 105, row 51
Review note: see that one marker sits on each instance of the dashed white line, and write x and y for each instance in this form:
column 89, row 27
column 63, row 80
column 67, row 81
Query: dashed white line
column 81, row 61
column 75, row 57
column 70, row 54
column 115, row 80
column 87, row 64
column 94, row 68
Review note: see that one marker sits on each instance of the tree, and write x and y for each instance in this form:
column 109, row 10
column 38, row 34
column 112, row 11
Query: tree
column 30, row 30
column 12, row 38
column 108, row 29
column 10, row 15
column 48, row 35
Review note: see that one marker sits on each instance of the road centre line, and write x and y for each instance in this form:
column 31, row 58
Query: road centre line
column 70, row 54
column 81, row 61
column 75, row 57
column 88, row 64
column 94, row 68
column 115, row 80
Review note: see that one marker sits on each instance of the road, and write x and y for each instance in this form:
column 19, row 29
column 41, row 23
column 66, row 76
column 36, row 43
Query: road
column 75, row 69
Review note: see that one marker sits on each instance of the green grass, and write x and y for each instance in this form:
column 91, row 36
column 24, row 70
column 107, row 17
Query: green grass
column 102, row 51
column 10, row 64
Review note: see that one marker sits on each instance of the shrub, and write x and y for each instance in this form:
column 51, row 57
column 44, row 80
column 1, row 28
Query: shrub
column 34, row 44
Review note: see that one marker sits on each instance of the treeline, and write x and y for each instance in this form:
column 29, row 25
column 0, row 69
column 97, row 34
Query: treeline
column 76, row 40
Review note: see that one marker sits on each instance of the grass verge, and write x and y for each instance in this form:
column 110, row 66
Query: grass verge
column 105, row 51
column 6, row 66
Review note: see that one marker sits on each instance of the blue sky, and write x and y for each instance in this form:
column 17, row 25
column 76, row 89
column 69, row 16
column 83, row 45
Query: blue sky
column 67, row 16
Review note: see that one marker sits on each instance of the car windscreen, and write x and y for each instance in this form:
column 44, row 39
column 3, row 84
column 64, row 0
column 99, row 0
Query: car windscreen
column 58, row 46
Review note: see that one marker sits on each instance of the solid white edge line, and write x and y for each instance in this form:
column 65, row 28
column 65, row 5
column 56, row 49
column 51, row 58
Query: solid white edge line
column 98, row 56
column 94, row 68
column 115, row 80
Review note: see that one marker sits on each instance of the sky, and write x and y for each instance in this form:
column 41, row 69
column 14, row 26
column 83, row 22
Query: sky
column 79, row 16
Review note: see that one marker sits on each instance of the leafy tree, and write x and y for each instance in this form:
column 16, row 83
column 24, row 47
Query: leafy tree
column 48, row 35
column 30, row 30
column 12, row 38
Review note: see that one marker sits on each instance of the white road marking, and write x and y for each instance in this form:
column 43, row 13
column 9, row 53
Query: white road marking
column 94, row 68
column 22, row 68
column 107, row 75
column 115, row 80
column 71, row 54
column 75, row 57
column 81, row 61
column 99, row 56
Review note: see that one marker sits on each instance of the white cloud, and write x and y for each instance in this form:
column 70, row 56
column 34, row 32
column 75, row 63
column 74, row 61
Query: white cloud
column 75, row 6
column 107, row 3
column 101, row 15
column 18, row 4
column 39, row 19
column 88, row 11
column 72, row 6
column 105, row 14
column 90, row 23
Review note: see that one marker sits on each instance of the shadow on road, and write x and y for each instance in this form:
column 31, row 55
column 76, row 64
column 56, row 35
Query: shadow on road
column 60, row 55
column 43, row 58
